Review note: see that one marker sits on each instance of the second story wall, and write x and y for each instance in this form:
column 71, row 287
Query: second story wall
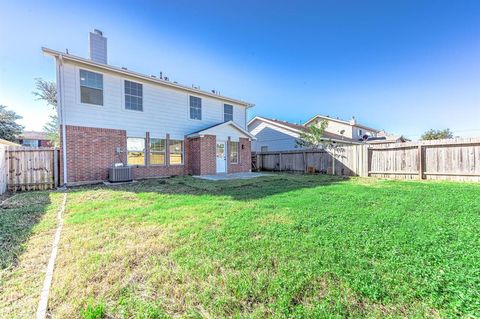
column 165, row 109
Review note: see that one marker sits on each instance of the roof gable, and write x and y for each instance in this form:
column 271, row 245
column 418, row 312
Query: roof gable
column 220, row 126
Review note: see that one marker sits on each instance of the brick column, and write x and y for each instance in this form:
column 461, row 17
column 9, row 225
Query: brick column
column 167, row 150
column 147, row 148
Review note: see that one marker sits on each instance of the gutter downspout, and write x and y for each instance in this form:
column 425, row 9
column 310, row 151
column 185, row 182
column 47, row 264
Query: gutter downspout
column 61, row 114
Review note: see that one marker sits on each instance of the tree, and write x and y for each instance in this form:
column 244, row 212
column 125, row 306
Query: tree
column 9, row 128
column 437, row 134
column 47, row 91
column 313, row 136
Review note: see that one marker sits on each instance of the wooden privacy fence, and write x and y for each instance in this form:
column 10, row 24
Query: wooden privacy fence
column 342, row 160
column 3, row 170
column 455, row 159
column 32, row 168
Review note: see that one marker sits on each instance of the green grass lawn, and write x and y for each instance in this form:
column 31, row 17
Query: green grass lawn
column 279, row 246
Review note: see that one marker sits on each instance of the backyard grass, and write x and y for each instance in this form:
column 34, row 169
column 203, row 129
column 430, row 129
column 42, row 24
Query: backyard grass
column 286, row 246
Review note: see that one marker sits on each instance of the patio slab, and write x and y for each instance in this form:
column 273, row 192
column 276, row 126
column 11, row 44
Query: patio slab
column 226, row 177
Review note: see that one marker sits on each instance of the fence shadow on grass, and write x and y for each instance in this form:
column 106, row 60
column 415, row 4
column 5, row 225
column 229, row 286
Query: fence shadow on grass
column 241, row 189
column 18, row 215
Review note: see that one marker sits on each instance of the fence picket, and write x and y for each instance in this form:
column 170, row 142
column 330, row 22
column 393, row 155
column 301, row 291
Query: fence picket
column 456, row 159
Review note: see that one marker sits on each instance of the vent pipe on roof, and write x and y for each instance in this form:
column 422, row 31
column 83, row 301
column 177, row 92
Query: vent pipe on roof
column 98, row 47
column 353, row 121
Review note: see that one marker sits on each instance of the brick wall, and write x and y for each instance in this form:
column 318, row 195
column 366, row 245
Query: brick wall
column 202, row 160
column 245, row 157
column 90, row 151
column 208, row 164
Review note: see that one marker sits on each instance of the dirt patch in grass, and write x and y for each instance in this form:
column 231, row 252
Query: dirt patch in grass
column 27, row 225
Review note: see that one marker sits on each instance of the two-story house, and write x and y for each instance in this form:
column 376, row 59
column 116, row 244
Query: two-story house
column 348, row 129
column 112, row 115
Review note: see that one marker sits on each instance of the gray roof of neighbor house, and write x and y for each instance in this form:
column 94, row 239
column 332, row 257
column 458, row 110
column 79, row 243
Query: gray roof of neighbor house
column 340, row 121
column 299, row 127
column 34, row 135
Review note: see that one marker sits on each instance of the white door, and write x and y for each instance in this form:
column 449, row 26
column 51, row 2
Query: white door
column 221, row 158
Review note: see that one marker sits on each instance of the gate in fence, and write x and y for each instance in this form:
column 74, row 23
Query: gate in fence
column 32, row 168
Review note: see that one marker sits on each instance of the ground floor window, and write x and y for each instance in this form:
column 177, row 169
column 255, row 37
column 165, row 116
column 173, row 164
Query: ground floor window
column 176, row 152
column 264, row 149
column 233, row 152
column 157, row 151
column 136, row 151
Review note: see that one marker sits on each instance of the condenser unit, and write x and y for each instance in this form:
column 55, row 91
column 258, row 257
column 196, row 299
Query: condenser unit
column 120, row 174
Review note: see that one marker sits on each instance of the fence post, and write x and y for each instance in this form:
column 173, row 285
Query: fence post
column 280, row 162
column 333, row 162
column 420, row 161
column 305, row 164
column 369, row 161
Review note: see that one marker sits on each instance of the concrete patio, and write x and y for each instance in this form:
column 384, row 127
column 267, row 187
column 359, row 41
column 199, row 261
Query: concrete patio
column 226, row 177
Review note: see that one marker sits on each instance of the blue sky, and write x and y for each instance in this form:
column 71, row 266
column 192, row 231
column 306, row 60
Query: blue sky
column 403, row 66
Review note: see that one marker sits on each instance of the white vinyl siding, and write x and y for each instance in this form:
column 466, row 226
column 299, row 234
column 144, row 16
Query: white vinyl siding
column 165, row 110
column 273, row 137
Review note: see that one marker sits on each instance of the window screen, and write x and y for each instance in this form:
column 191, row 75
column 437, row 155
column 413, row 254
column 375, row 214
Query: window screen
column 136, row 151
column 91, row 87
column 157, row 151
column 227, row 112
column 195, row 108
column 133, row 96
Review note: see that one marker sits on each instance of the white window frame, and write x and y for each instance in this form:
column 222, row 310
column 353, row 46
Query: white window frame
column 238, row 152
column 79, row 85
column 183, row 152
column 190, row 108
column 125, row 99
column 144, row 151
column 224, row 105
column 159, row 152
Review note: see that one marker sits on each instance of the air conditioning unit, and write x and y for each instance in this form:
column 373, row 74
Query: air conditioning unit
column 120, row 174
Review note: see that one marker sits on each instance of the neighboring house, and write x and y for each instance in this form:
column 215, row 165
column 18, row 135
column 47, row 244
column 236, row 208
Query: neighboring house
column 8, row 143
column 158, row 127
column 34, row 139
column 349, row 129
column 276, row 135
column 383, row 137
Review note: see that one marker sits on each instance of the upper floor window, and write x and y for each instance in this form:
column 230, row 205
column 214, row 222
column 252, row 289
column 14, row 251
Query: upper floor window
column 157, row 151
column 133, row 96
column 136, row 151
column 195, row 108
column 360, row 132
column 91, row 87
column 227, row 112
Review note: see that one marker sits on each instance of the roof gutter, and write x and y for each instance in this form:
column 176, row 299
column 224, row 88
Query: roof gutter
column 73, row 58
column 61, row 115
